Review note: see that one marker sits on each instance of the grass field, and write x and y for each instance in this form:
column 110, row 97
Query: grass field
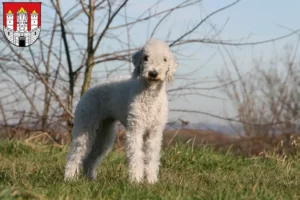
column 30, row 171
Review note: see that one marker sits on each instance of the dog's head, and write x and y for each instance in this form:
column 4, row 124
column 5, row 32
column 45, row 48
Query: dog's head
column 155, row 62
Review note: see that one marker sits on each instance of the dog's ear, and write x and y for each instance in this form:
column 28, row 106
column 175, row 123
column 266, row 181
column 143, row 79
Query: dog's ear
column 172, row 68
column 137, row 61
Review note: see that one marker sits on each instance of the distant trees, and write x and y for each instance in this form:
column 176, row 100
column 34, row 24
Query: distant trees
column 268, row 99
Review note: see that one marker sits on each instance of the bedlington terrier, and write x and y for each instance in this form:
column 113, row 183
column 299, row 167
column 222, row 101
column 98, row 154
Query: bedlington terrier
column 139, row 103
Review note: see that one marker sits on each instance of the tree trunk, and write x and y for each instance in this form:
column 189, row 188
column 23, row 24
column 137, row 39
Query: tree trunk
column 87, row 74
column 90, row 49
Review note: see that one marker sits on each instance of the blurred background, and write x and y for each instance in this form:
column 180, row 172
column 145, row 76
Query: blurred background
column 237, row 84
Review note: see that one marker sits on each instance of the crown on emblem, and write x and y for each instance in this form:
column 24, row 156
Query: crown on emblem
column 22, row 10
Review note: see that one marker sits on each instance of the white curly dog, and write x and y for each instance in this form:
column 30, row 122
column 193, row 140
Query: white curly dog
column 139, row 103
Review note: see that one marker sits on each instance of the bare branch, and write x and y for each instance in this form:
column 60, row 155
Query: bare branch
column 110, row 19
column 202, row 21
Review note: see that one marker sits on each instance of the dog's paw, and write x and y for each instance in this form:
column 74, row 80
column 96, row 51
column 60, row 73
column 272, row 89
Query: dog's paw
column 136, row 178
column 71, row 175
column 152, row 179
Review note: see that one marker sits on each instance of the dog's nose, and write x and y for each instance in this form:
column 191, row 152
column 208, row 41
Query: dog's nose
column 153, row 74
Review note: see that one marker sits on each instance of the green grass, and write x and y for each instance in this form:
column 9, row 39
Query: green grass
column 29, row 171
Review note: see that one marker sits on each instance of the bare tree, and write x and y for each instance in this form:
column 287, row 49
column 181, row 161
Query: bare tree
column 270, row 96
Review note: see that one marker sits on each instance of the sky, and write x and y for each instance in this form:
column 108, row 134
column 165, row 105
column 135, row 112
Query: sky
column 247, row 21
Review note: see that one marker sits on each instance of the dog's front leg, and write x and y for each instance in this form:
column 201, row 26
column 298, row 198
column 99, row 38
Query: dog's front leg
column 152, row 154
column 134, row 153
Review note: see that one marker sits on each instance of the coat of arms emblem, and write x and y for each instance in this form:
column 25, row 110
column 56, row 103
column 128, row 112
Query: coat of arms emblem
column 22, row 22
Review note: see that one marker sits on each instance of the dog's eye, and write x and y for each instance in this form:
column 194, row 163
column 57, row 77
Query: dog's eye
column 145, row 58
column 165, row 59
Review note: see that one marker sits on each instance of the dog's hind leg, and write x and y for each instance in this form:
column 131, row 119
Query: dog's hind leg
column 79, row 147
column 104, row 140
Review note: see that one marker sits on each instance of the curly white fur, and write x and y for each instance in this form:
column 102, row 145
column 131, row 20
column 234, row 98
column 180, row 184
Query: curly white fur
column 139, row 103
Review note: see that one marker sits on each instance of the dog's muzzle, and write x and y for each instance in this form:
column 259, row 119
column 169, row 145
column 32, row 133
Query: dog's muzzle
column 153, row 75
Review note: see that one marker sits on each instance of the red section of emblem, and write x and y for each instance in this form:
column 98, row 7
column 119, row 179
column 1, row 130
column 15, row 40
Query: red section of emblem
column 29, row 8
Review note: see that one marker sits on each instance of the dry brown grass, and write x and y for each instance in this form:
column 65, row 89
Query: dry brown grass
column 285, row 144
